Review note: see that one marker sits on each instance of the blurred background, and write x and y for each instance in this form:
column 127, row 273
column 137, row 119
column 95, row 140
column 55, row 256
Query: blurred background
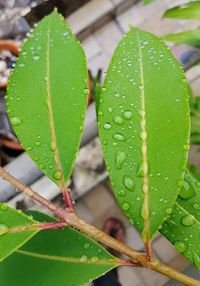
column 99, row 25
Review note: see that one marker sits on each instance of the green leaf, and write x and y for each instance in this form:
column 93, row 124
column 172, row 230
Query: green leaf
column 188, row 11
column 56, row 257
column 147, row 1
column 190, row 37
column 47, row 97
column 143, row 122
column 182, row 228
column 9, row 218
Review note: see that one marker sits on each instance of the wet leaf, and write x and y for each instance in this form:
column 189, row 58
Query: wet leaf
column 10, row 218
column 182, row 228
column 47, row 97
column 143, row 118
column 56, row 257
column 187, row 11
column 190, row 37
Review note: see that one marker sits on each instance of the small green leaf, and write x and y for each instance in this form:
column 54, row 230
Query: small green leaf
column 56, row 257
column 9, row 218
column 182, row 228
column 191, row 37
column 143, row 119
column 47, row 97
column 188, row 11
column 147, row 1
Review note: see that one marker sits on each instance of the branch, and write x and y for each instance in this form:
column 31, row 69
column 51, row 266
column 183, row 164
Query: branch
column 37, row 226
column 70, row 218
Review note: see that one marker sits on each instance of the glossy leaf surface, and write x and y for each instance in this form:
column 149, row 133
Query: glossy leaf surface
column 56, row 257
column 191, row 37
column 188, row 11
column 144, row 128
column 10, row 218
column 182, row 228
column 47, row 97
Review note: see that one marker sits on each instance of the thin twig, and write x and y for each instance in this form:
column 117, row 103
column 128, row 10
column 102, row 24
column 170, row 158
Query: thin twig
column 36, row 226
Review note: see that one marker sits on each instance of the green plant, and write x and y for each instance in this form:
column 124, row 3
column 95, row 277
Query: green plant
column 143, row 118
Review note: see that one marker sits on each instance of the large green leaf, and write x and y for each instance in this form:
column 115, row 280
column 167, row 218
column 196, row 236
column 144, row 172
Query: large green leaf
column 190, row 37
column 182, row 228
column 188, row 11
column 47, row 97
column 10, row 218
column 56, row 257
column 143, row 119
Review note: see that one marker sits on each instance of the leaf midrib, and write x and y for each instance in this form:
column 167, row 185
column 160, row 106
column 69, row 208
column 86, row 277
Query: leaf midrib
column 187, row 213
column 69, row 259
column 50, row 112
column 145, row 186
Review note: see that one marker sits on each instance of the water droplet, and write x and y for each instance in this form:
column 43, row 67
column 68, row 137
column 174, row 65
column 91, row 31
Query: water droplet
column 188, row 220
column 143, row 211
column 186, row 191
column 196, row 206
column 143, row 135
column 42, row 166
column 196, row 259
column 29, row 148
column 37, row 143
column 16, row 121
column 180, row 246
column 57, row 175
column 83, row 258
column 125, row 206
column 118, row 120
column 120, row 158
column 110, row 109
column 129, row 183
column 107, row 125
column 3, row 227
column 186, row 147
column 119, row 137
column 122, row 193
column 95, row 259
column 128, row 114
column 87, row 245
column 117, row 94
column 36, row 58
column 140, row 170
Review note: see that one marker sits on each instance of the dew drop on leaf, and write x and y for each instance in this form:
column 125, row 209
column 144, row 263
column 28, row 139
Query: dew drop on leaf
column 107, row 125
column 128, row 114
column 186, row 191
column 125, row 206
column 196, row 206
column 180, row 246
column 188, row 220
column 118, row 119
column 129, row 183
column 120, row 158
column 87, row 245
column 119, row 137
column 95, row 259
column 122, row 193
column 3, row 227
column 83, row 258
column 16, row 121
column 57, row 175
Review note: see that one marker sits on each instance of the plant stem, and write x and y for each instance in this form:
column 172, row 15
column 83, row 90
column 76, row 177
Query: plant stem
column 36, row 226
column 72, row 220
